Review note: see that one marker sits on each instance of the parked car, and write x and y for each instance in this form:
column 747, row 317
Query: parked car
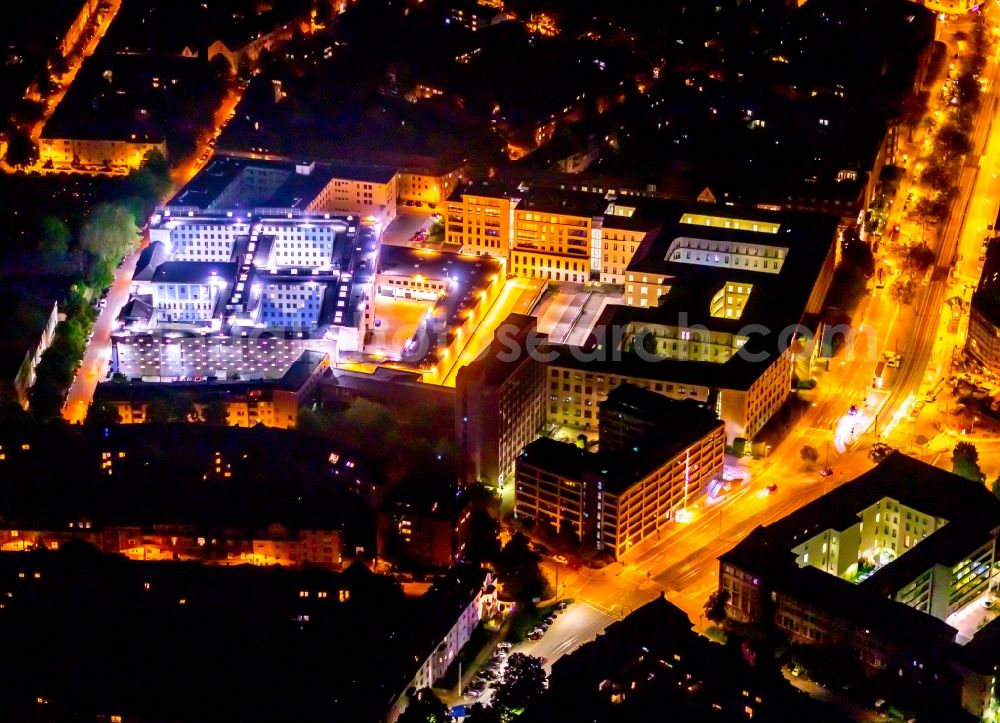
column 504, row 646
column 561, row 559
column 771, row 489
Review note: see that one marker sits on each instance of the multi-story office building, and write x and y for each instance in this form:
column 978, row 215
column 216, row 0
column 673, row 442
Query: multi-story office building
column 461, row 288
column 557, row 235
column 623, row 494
column 881, row 565
column 234, row 184
column 500, row 401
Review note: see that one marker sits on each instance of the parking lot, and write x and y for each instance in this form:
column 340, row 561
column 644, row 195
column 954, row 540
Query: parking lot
column 570, row 628
column 397, row 320
column 401, row 231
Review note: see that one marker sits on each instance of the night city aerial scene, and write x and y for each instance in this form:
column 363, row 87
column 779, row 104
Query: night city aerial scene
column 499, row 361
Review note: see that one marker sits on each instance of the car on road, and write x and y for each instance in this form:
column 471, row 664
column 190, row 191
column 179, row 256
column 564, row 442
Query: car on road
column 826, row 472
column 103, row 302
column 853, row 410
column 504, row 646
column 561, row 605
column 989, row 602
column 536, row 634
column 771, row 489
column 561, row 559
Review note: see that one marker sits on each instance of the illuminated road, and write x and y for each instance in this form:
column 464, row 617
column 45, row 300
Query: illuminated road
column 95, row 358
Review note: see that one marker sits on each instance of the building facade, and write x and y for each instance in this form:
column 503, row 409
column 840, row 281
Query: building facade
column 623, row 495
column 500, row 403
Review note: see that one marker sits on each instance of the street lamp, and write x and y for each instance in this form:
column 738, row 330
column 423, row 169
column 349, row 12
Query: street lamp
column 974, row 420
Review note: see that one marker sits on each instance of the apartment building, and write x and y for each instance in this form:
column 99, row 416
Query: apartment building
column 500, row 403
column 423, row 524
column 659, row 458
column 428, row 186
column 271, row 402
column 28, row 329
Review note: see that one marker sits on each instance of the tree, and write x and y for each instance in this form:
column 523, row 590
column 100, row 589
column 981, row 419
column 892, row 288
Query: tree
column 425, row 707
column 53, row 244
column 480, row 713
column 879, row 451
column 953, row 141
column 182, row 408
column 921, row 257
column 482, row 543
column 968, row 88
column 21, row 150
column 109, row 232
column 715, row 606
column 524, row 683
column 995, row 487
column 158, row 411
column 221, row 67
column 308, row 422
column 102, row 414
column 215, row 412
column 150, row 182
column 809, row 454
column 858, row 252
column 519, row 570
column 965, row 462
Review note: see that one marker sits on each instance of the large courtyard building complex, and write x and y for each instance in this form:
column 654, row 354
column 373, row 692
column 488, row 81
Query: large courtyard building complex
column 715, row 306
column 880, row 566
column 243, row 274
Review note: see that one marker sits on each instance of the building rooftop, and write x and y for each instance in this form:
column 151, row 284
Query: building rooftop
column 800, row 243
column 498, row 361
column 194, row 272
column 688, row 423
column 301, row 183
column 302, row 369
column 972, row 516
